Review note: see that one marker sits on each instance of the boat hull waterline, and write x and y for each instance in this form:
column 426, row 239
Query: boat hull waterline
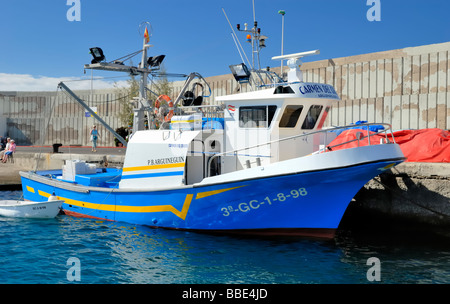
column 304, row 204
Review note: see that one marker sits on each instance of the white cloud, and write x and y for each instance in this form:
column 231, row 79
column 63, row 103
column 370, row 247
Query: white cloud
column 30, row 83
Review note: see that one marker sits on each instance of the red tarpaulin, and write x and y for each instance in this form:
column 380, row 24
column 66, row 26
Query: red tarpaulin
column 426, row 145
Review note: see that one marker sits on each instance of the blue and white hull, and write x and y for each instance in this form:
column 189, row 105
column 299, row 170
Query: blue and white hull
column 254, row 162
column 304, row 201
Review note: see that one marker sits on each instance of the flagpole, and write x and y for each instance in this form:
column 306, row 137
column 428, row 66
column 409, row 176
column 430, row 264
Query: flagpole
column 138, row 117
column 143, row 92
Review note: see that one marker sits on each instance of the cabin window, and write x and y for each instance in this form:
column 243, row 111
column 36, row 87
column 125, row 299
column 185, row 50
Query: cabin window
column 284, row 90
column 312, row 116
column 256, row 116
column 290, row 116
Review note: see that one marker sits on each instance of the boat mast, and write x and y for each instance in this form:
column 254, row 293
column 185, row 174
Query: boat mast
column 142, row 70
column 139, row 110
column 258, row 42
column 146, row 67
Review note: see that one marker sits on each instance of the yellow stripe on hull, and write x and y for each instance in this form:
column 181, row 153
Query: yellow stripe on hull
column 153, row 167
column 142, row 209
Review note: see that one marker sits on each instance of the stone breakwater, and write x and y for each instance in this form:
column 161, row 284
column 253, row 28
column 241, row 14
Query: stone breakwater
column 413, row 193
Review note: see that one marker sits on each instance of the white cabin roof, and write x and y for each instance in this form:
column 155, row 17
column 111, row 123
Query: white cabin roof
column 297, row 90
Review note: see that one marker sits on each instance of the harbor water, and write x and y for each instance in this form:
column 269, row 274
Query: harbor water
column 68, row 250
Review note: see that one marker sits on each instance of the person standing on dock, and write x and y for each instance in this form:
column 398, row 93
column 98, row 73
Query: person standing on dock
column 94, row 137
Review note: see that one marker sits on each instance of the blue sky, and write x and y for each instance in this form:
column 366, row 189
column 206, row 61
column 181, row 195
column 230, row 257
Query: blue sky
column 38, row 45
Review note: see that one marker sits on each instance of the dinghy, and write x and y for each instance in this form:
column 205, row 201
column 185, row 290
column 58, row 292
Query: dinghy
column 29, row 209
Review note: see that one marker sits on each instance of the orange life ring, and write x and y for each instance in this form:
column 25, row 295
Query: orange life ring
column 157, row 105
column 169, row 116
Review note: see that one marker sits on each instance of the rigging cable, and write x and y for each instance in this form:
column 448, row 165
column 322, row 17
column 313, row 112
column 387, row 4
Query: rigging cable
column 235, row 37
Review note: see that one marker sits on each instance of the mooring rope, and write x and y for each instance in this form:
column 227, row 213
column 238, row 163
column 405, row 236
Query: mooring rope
column 395, row 192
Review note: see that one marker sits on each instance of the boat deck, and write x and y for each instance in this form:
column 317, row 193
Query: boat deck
column 104, row 177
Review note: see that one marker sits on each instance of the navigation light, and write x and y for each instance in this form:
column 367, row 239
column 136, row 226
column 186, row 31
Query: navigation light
column 97, row 53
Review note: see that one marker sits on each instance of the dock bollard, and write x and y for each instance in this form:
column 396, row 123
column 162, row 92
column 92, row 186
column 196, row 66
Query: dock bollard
column 56, row 147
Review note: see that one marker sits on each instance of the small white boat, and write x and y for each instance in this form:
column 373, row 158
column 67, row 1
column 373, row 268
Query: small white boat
column 29, row 209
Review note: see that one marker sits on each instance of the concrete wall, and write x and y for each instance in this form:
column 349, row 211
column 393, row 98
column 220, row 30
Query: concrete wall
column 3, row 130
column 409, row 88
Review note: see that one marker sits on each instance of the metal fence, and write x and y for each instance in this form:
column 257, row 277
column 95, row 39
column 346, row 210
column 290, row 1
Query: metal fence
column 48, row 118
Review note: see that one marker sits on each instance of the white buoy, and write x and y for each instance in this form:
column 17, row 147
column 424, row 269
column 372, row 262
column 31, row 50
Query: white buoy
column 52, row 197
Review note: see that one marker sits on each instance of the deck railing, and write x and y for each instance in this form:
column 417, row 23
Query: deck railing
column 387, row 128
column 208, row 111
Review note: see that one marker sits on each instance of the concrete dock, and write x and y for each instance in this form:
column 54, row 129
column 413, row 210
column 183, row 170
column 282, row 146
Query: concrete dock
column 42, row 158
column 415, row 193
column 415, row 196
column 9, row 174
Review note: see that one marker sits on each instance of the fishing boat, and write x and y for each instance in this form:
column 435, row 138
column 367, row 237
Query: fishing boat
column 28, row 209
column 256, row 162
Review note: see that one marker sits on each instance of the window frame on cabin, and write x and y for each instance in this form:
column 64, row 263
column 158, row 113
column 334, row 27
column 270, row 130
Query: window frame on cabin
column 311, row 119
column 262, row 116
column 290, row 115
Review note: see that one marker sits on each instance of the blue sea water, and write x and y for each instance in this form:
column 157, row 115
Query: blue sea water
column 68, row 250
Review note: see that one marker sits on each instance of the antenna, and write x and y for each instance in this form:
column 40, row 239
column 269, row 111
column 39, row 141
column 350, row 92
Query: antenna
column 294, row 63
column 254, row 14
column 297, row 55
column 257, row 41
column 236, row 40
